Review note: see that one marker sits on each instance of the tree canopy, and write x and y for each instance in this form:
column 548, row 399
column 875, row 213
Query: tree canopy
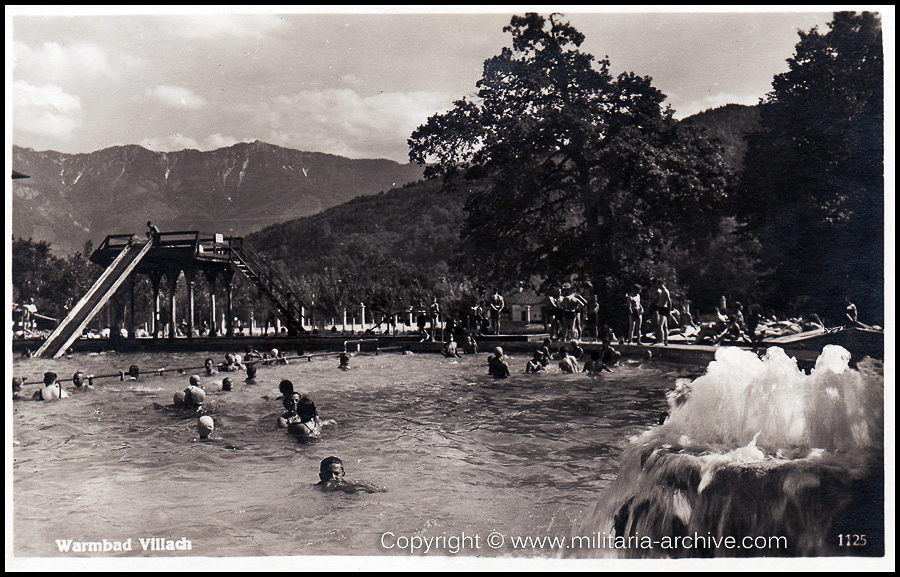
column 812, row 189
column 581, row 175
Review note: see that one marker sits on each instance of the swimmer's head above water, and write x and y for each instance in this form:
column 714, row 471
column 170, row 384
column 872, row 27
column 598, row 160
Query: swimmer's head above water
column 331, row 470
column 286, row 387
column 291, row 402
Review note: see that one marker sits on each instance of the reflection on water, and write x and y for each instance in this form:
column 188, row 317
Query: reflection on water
column 455, row 449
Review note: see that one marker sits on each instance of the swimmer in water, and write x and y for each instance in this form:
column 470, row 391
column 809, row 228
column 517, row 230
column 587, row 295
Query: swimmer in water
column 210, row 367
column 226, row 384
column 17, row 388
column 52, row 390
column 205, row 426
column 595, row 364
column 290, row 402
column 568, row 364
column 78, row 380
column 251, row 374
column 452, row 350
column 345, row 362
column 331, row 478
column 498, row 364
column 286, row 388
column 194, row 396
column 536, row 364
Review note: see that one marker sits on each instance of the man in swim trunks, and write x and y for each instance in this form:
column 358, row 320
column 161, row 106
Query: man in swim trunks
column 663, row 308
column 635, row 315
column 434, row 315
column 497, row 303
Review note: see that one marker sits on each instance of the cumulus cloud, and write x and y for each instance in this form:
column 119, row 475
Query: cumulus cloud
column 61, row 64
column 177, row 96
column 45, row 110
column 214, row 141
column 342, row 121
column 177, row 141
column 170, row 143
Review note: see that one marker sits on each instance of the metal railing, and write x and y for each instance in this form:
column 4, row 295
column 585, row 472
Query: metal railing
column 269, row 280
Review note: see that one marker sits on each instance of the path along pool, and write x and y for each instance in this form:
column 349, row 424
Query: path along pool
column 456, row 451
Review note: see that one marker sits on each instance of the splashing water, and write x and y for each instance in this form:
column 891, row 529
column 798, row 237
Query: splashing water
column 756, row 447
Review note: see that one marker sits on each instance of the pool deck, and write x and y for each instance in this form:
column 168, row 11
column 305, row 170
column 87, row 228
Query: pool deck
column 805, row 347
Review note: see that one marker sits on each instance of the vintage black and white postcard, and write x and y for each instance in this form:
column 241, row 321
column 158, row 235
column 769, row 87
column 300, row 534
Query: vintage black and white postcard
column 430, row 287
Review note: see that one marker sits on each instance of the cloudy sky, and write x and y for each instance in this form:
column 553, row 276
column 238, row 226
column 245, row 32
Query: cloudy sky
column 351, row 84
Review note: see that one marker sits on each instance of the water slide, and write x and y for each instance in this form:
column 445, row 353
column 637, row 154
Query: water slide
column 82, row 313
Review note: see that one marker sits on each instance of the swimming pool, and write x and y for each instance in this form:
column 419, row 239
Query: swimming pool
column 456, row 451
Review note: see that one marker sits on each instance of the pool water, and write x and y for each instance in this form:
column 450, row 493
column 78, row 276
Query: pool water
column 456, row 452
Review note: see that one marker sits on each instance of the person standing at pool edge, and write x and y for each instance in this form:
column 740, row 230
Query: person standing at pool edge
column 434, row 313
column 663, row 308
column 497, row 304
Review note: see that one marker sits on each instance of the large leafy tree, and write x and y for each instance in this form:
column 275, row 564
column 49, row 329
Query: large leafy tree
column 574, row 174
column 812, row 187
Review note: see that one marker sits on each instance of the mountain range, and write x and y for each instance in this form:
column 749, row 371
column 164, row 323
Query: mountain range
column 250, row 187
column 69, row 199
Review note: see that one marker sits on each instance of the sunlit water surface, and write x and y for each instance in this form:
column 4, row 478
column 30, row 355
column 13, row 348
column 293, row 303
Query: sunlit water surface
column 456, row 452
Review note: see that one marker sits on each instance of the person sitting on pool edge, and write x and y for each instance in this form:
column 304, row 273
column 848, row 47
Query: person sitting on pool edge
column 52, row 390
column 498, row 365
column 331, row 478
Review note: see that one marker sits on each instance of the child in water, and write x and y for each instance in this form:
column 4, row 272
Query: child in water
column 344, row 362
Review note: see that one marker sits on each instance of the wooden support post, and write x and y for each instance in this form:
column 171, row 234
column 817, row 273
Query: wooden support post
column 189, row 279
column 132, row 321
column 172, row 278
column 211, row 280
column 155, row 279
column 227, row 277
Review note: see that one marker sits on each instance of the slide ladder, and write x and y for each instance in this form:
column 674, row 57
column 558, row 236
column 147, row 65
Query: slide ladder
column 284, row 300
column 90, row 304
